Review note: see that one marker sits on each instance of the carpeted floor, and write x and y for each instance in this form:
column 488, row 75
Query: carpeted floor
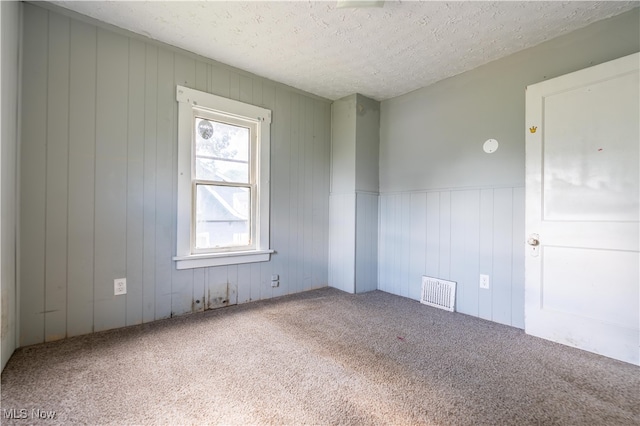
column 321, row 357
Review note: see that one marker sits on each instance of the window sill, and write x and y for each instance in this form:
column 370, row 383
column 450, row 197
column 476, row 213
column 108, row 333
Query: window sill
column 221, row 259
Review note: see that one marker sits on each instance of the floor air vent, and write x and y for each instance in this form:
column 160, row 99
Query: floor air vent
column 438, row 293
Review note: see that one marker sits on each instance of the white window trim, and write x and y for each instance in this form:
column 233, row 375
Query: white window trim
column 188, row 99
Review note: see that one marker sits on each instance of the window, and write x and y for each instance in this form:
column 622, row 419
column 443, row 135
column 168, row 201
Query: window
column 223, row 181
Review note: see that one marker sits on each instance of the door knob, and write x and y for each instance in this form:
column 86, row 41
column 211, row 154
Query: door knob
column 533, row 240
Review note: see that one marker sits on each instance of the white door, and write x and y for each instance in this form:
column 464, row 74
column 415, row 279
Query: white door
column 582, row 284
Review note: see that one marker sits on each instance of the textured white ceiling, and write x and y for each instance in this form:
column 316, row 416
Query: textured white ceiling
column 333, row 52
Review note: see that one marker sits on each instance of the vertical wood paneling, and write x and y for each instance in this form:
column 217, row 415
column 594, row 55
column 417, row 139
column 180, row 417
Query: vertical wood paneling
column 383, row 245
column 342, row 241
column 164, row 178
column 432, row 262
column 265, row 291
column 149, row 185
column 502, row 254
column 244, row 283
column 200, row 276
column 518, row 253
column 396, row 246
column 486, row 252
column 385, row 252
column 326, row 157
column 217, row 287
column 472, row 250
column 10, row 23
column 135, row 183
column 361, row 278
column 57, row 187
column 366, row 278
column 232, row 285
column 307, row 198
column 444, row 253
column 246, row 89
column 403, row 246
column 266, row 93
column 456, row 235
column 99, row 168
column 33, row 176
column 256, row 278
column 319, row 214
column 181, row 280
column 202, row 78
column 396, row 243
column 111, row 178
column 459, row 216
column 417, row 243
column 220, row 80
column 256, row 96
column 82, row 108
column 280, row 198
column 294, row 278
column 234, row 86
column 373, row 248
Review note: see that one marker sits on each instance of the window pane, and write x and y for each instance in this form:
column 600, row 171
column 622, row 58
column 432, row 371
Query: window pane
column 222, row 151
column 222, row 171
column 222, row 216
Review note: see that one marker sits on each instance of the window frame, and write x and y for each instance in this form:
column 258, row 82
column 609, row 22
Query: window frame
column 194, row 103
column 252, row 184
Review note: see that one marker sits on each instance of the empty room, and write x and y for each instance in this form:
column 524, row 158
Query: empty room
column 320, row 212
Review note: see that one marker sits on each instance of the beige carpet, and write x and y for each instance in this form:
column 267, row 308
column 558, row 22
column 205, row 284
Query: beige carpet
column 321, row 357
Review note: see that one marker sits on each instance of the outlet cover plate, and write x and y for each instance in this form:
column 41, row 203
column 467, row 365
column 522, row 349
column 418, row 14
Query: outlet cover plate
column 119, row 286
column 484, row 281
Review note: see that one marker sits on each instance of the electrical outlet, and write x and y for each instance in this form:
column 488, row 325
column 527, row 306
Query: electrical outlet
column 275, row 277
column 275, row 283
column 484, row 281
column 119, row 286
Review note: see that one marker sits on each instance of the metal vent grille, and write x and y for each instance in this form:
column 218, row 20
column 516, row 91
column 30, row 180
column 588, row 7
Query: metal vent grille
column 438, row 293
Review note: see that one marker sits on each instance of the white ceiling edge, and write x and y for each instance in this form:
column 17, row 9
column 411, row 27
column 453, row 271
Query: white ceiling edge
column 380, row 52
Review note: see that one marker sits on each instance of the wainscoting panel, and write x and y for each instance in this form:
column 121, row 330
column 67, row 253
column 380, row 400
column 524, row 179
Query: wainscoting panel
column 342, row 226
column 366, row 242
column 457, row 235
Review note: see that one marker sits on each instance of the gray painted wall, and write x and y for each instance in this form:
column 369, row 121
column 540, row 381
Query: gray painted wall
column 343, row 146
column 9, row 83
column 367, row 186
column 98, row 181
column 342, row 240
column 366, row 242
column 342, row 202
column 367, row 161
column 353, row 211
column 448, row 209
